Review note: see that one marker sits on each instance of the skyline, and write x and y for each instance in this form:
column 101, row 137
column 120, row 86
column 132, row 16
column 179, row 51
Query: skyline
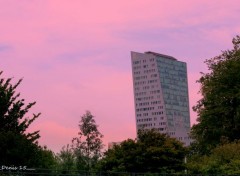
column 74, row 55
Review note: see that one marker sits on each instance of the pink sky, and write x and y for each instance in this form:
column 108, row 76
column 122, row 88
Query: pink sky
column 74, row 55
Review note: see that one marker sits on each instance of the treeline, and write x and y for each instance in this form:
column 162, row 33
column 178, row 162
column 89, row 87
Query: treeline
column 151, row 152
column 215, row 147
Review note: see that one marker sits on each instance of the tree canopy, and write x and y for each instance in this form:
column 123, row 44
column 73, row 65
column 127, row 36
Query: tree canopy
column 13, row 112
column 151, row 152
column 224, row 159
column 17, row 146
column 219, row 108
column 66, row 160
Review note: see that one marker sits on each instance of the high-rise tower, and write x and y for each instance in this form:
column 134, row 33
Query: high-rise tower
column 161, row 94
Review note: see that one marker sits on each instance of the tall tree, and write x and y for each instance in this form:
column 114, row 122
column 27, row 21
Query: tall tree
column 219, row 109
column 17, row 147
column 152, row 152
column 12, row 111
column 88, row 145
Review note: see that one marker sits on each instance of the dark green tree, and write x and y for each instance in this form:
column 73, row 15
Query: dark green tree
column 224, row 159
column 88, row 145
column 122, row 158
column 13, row 112
column 16, row 149
column 152, row 152
column 219, row 109
column 17, row 146
column 46, row 158
column 66, row 160
column 165, row 154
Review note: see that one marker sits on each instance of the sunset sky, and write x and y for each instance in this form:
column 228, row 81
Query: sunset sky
column 74, row 55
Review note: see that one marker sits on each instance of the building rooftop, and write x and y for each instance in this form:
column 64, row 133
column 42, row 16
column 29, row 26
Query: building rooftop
column 161, row 55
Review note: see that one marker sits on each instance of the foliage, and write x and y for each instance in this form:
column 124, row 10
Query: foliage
column 224, row 159
column 164, row 151
column 66, row 160
column 17, row 146
column 121, row 158
column 12, row 111
column 219, row 109
column 152, row 152
column 88, row 145
column 46, row 158
column 15, row 149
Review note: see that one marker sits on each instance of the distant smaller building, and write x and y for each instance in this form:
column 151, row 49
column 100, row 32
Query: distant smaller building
column 111, row 144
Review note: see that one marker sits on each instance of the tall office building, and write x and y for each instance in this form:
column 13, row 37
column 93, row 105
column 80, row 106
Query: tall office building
column 161, row 94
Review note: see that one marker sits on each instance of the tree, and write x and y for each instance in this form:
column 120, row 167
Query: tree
column 122, row 158
column 12, row 111
column 219, row 109
column 163, row 152
column 88, row 145
column 66, row 160
column 17, row 147
column 224, row 159
column 151, row 152
column 45, row 159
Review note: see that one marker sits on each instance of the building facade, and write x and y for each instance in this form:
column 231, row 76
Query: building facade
column 161, row 94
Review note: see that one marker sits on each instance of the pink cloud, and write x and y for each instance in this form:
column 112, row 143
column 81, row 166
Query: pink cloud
column 54, row 135
column 108, row 95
